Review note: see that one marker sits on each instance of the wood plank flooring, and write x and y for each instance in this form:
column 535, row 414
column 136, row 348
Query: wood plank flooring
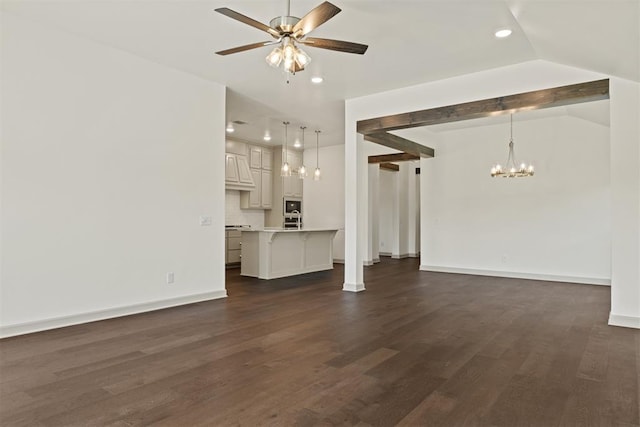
column 414, row 349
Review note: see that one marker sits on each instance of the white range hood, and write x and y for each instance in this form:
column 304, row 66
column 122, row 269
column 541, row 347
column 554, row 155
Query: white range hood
column 237, row 173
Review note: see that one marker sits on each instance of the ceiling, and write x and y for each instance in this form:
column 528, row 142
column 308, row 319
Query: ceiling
column 410, row 42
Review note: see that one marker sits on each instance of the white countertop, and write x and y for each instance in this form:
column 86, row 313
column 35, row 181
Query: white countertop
column 287, row 230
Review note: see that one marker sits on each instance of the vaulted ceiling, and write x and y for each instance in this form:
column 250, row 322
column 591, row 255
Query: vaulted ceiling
column 410, row 42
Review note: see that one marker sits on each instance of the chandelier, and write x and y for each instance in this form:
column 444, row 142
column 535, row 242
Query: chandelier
column 511, row 168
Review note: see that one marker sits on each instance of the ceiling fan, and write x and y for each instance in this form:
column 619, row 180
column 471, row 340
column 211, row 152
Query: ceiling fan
column 289, row 30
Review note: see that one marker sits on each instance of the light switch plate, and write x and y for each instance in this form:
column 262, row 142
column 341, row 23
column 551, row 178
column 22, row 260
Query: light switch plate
column 205, row 220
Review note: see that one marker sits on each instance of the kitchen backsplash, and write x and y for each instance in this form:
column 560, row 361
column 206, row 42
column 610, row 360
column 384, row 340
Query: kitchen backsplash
column 236, row 216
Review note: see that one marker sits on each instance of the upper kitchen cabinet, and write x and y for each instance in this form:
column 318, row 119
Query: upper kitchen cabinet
column 260, row 160
column 292, row 185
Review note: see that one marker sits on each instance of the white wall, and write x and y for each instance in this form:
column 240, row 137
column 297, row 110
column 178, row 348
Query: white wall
column 554, row 225
column 108, row 161
column 398, row 207
column 236, row 216
column 413, row 209
column 388, row 220
column 524, row 77
column 323, row 201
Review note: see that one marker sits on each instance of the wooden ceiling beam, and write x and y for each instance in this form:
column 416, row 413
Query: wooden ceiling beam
column 390, row 167
column 546, row 98
column 400, row 144
column 397, row 157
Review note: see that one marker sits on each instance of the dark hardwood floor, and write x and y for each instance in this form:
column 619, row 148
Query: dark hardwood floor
column 415, row 349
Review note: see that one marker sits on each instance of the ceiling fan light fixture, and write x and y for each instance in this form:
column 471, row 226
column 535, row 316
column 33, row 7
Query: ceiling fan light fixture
column 289, row 31
column 302, row 58
column 275, row 57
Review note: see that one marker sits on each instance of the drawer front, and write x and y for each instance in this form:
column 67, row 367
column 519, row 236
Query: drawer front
column 233, row 256
column 234, row 233
column 233, row 243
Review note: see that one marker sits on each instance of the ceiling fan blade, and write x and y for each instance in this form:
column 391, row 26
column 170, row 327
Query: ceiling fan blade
column 246, row 20
column 245, row 47
column 315, row 18
column 339, row 45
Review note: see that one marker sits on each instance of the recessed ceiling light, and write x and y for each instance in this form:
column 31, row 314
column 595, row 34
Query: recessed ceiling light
column 267, row 137
column 317, row 80
column 505, row 32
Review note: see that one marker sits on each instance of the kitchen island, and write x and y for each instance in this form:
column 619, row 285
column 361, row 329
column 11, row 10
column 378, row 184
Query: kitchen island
column 277, row 252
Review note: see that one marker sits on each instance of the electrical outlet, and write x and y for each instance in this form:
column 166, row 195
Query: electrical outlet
column 205, row 220
column 170, row 277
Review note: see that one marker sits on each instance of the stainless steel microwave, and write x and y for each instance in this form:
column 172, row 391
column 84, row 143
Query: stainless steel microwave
column 291, row 205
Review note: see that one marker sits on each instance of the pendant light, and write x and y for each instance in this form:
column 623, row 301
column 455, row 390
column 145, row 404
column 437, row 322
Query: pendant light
column 286, row 169
column 302, row 171
column 316, row 173
column 511, row 170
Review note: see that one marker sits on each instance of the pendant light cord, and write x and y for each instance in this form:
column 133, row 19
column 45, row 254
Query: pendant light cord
column 317, row 151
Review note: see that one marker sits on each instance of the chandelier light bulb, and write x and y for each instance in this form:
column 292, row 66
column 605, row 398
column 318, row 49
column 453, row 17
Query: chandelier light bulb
column 316, row 174
column 302, row 172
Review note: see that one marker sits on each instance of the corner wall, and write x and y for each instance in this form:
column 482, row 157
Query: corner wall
column 108, row 160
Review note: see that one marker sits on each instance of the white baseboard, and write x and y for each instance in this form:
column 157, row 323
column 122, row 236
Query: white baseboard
column 353, row 287
column 376, row 260
column 416, row 255
column 76, row 319
column 624, row 321
column 401, row 256
column 516, row 275
column 367, row 263
column 384, row 253
column 338, row 261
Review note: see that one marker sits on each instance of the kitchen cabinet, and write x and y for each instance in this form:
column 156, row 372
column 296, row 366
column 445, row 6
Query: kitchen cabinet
column 260, row 160
column 256, row 158
column 233, row 244
column 283, row 187
column 266, row 189
column 267, row 159
column 292, row 185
